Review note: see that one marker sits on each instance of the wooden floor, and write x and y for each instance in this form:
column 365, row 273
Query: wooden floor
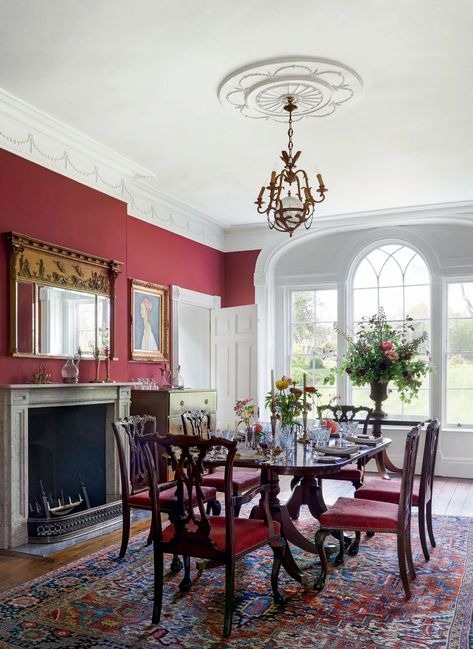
column 452, row 497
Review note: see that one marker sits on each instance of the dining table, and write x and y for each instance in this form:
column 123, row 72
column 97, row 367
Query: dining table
column 308, row 468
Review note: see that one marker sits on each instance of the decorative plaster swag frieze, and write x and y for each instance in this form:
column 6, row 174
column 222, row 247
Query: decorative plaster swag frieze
column 35, row 135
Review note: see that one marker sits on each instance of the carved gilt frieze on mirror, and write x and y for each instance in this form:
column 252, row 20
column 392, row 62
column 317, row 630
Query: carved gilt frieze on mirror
column 61, row 300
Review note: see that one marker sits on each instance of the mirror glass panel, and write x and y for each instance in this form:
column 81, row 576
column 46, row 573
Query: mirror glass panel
column 69, row 321
column 25, row 321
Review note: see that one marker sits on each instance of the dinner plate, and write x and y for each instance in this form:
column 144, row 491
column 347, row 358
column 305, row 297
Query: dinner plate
column 367, row 440
column 328, row 459
column 247, row 454
column 337, row 450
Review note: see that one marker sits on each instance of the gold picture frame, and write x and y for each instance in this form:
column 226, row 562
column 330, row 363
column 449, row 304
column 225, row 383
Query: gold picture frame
column 149, row 307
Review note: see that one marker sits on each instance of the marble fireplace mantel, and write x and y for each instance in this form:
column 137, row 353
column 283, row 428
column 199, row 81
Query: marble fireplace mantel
column 15, row 401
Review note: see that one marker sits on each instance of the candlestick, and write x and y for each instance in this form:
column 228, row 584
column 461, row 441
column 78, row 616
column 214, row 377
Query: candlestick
column 304, row 437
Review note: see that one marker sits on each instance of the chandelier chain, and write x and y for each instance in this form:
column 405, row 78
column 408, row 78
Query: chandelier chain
column 290, row 133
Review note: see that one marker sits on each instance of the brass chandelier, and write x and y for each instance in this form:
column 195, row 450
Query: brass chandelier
column 290, row 201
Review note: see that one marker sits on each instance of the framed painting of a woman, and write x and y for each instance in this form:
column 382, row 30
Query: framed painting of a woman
column 149, row 321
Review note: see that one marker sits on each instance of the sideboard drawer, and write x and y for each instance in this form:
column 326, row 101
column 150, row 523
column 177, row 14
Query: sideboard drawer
column 204, row 400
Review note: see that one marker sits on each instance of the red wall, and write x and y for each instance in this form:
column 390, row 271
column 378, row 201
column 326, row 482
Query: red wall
column 239, row 269
column 48, row 206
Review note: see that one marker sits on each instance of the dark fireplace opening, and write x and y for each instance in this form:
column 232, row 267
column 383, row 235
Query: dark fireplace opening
column 66, row 459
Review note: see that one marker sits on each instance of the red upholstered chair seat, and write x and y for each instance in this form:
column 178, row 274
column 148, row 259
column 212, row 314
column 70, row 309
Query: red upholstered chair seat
column 167, row 498
column 347, row 472
column 248, row 532
column 386, row 491
column 242, row 480
column 351, row 514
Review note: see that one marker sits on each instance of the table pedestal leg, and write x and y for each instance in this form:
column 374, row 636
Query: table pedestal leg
column 281, row 514
column 382, row 459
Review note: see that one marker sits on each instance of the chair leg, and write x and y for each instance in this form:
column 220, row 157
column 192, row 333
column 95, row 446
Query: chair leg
column 401, row 557
column 149, row 540
column 355, row 546
column 341, row 543
column 214, row 506
column 176, row 563
column 410, row 563
column 279, row 549
column 236, row 507
column 186, row 582
column 229, row 596
column 158, row 585
column 422, row 534
column 320, row 537
column 125, row 531
column 428, row 509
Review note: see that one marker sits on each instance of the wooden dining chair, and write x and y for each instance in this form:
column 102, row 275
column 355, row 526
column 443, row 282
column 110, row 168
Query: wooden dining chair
column 198, row 422
column 390, row 490
column 134, row 481
column 220, row 540
column 374, row 516
column 340, row 413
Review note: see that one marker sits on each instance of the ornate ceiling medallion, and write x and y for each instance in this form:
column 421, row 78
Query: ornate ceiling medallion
column 318, row 86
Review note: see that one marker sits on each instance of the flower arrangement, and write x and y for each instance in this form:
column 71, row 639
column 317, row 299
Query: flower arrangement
column 245, row 409
column 289, row 401
column 380, row 353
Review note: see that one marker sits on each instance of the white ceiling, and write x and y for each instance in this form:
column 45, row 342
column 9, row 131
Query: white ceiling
column 141, row 78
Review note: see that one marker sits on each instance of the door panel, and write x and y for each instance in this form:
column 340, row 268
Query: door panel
column 233, row 353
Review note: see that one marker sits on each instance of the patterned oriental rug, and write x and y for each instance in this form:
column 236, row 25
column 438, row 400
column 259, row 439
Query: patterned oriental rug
column 101, row 603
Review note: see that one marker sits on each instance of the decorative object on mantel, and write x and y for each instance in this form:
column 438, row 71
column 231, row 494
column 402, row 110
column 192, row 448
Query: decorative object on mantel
column 290, row 199
column 106, row 352
column 97, row 359
column 70, row 370
column 149, row 321
column 379, row 353
column 42, row 376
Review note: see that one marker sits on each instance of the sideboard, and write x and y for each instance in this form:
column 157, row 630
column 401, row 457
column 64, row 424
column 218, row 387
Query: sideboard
column 168, row 405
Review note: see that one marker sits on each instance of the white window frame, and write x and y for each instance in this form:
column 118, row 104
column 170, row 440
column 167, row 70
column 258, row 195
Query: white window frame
column 453, row 279
column 346, row 388
column 287, row 316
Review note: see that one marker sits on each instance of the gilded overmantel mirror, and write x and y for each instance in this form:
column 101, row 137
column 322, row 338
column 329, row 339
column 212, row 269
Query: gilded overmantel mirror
column 61, row 300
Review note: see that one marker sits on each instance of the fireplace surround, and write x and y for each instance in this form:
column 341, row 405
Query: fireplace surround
column 16, row 402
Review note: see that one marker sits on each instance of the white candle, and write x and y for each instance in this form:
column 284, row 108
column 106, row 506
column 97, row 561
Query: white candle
column 272, row 386
column 305, row 385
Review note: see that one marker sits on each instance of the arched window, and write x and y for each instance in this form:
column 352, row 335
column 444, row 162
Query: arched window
column 396, row 278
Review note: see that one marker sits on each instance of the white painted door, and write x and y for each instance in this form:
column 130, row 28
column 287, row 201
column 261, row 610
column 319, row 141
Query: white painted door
column 233, row 359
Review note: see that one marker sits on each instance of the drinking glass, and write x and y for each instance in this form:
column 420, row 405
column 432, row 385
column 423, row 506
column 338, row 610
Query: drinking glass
column 323, row 436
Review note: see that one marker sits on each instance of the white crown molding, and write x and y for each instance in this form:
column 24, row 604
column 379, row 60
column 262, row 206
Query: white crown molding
column 258, row 236
column 33, row 134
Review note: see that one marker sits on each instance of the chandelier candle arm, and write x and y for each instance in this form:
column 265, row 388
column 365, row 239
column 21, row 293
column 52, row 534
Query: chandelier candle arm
column 290, row 201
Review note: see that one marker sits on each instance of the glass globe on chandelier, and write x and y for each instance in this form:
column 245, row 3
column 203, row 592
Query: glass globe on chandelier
column 290, row 201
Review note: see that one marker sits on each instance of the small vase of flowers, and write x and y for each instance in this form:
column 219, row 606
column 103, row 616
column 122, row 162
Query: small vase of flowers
column 380, row 353
column 246, row 411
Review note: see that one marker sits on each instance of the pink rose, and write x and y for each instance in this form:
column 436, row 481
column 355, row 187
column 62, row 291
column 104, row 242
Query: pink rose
column 386, row 345
column 391, row 355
